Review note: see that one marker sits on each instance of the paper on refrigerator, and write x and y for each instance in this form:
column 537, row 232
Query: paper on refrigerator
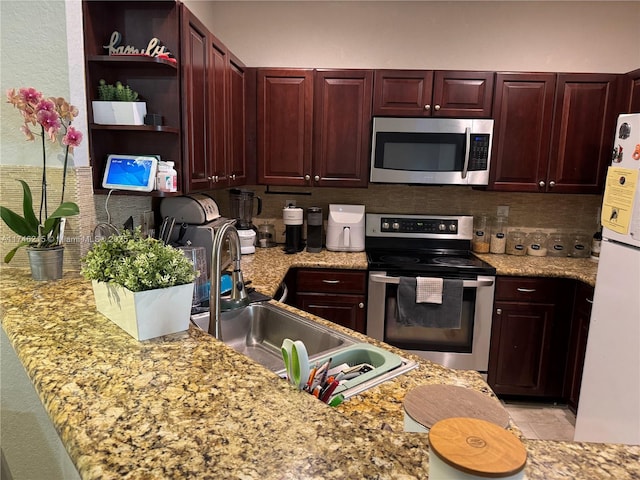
column 619, row 199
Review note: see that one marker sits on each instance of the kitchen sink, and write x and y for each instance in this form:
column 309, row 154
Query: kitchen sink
column 259, row 329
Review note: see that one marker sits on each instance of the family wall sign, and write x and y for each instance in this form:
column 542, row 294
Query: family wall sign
column 154, row 48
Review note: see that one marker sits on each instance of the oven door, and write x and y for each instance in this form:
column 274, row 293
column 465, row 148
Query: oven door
column 464, row 348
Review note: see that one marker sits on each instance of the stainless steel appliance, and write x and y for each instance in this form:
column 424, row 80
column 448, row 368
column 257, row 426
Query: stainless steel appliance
column 609, row 406
column 194, row 209
column 429, row 247
column 197, row 218
column 440, row 151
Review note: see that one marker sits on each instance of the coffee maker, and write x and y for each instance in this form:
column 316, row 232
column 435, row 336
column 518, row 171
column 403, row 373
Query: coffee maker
column 293, row 221
column 242, row 202
column 314, row 229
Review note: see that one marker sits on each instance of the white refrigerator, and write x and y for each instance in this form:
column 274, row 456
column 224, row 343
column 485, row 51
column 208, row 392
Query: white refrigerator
column 609, row 405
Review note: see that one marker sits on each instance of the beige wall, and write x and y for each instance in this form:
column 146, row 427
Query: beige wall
column 573, row 36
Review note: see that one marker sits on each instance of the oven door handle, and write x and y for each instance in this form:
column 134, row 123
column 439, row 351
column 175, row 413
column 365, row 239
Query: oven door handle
column 396, row 280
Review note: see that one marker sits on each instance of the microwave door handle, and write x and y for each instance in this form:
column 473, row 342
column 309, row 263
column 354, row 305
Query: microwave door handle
column 396, row 280
column 467, row 148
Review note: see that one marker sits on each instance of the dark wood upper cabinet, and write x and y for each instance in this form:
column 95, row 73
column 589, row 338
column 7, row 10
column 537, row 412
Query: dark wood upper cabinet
column 194, row 101
column 217, row 97
column 402, row 92
column 440, row 93
column 523, row 113
column 553, row 132
column 634, row 94
column 313, row 127
column 213, row 102
column 582, row 137
column 284, row 124
column 342, row 127
column 237, row 120
column 462, row 94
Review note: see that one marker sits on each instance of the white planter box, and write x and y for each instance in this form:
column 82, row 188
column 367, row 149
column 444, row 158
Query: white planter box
column 147, row 314
column 119, row 113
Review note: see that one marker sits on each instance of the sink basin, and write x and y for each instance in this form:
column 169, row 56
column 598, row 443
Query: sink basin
column 258, row 330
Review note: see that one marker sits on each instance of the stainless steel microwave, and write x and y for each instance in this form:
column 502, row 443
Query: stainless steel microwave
column 431, row 151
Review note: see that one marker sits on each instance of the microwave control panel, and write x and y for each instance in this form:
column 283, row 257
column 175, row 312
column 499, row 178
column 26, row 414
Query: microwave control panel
column 479, row 152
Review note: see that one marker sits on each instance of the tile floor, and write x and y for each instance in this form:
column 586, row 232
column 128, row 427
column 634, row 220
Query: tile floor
column 542, row 421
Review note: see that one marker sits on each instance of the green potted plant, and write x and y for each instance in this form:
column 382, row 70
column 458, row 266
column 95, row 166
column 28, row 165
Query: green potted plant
column 42, row 233
column 118, row 105
column 141, row 284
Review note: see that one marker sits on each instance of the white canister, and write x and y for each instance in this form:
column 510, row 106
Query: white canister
column 473, row 449
column 167, row 177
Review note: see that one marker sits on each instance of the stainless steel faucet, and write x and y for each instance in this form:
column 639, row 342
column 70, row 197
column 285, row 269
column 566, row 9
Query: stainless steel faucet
column 238, row 298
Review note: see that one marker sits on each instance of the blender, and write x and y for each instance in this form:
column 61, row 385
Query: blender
column 242, row 205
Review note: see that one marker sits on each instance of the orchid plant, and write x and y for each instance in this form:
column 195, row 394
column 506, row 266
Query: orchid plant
column 50, row 119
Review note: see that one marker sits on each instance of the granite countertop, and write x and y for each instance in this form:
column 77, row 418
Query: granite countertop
column 581, row 269
column 186, row 405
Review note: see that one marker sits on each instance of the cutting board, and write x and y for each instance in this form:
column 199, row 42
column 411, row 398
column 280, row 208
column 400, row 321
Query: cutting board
column 428, row 404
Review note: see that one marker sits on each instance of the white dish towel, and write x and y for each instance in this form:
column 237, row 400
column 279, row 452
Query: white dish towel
column 428, row 290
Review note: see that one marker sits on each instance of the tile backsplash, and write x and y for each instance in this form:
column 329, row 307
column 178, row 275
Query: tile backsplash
column 551, row 211
column 573, row 213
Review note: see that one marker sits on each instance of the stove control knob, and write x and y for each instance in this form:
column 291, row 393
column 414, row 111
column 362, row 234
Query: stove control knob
column 442, row 227
column 452, row 227
column 396, row 226
column 385, row 225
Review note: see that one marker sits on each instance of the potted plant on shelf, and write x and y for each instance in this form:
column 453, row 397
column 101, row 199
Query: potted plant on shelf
column 42, row 234
column 142, row 285
column 118, row 105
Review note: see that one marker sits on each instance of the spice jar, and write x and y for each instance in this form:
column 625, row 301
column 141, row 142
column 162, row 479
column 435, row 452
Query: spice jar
column 557, row 245
column 537, row 244
column 581, row 244
column 481, row 234
column 515, row 243
column 498, row 242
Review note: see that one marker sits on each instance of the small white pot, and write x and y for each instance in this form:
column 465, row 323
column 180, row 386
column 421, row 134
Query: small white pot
column 119, row 113
column 148, row 314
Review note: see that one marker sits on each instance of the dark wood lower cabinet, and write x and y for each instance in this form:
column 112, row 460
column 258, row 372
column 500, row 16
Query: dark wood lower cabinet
column 578, row 343
column 529, row 336
column 335, row 295
column 345, row 310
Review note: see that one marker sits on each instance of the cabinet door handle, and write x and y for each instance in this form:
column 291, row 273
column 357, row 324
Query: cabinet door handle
column 307, row 177
column 233, row 176
column 317, row 178
column 589, row 300
column 436, row 108
column 541, row 183
column 361, row 305
column 427, row 107
column 552, row 184
column 526, row 290
column 498, row 311
column 332, row 282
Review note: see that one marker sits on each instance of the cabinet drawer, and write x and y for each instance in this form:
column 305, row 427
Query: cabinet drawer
column 528, row 289
column 331, row 281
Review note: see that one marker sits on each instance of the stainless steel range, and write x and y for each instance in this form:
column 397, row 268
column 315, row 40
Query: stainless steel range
column 405, row 250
